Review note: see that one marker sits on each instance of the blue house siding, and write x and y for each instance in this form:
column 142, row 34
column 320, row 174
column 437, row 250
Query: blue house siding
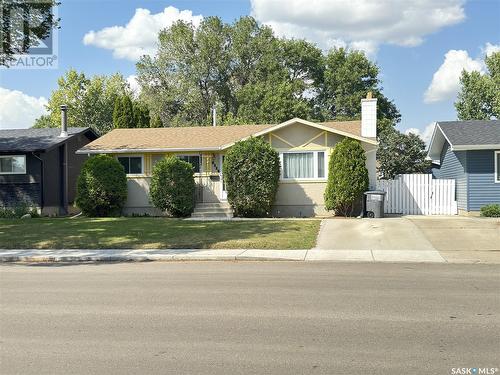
column 453, row 165
column 482, row 188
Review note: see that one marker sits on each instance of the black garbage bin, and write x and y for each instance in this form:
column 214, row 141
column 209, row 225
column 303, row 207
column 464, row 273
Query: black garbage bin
column 374, row 203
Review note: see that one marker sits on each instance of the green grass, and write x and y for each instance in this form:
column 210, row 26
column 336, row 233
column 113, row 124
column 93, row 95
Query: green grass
column 152, row 233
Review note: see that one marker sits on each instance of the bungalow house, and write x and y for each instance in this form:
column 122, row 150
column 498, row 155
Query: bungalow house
column 304, row 148
column 39, row 167
column 469, row 152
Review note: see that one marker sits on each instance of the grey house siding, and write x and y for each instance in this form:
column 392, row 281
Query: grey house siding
column 19, row 188
column 453, row 165
column 482, row 188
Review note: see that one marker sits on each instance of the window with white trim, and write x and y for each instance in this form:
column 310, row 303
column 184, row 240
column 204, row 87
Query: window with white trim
column 132, row 164
column 299, row 165
column 194, row 160
column 13, row 164
column 497, row 166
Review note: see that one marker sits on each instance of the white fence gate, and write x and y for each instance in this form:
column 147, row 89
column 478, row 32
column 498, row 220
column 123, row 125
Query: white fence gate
column 419, row 194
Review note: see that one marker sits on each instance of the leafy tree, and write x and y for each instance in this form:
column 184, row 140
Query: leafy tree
column 400, row 153
column 90, row 101
column 43, row 122
column 141, row 115
column 155, row 122
column 347, row 177
column 123, row 113
column 101, row 187
column 479, row 96
column 172, row 186
column 16, row 14
column 251, row 171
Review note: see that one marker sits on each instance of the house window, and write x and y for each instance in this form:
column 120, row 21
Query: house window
column 131, row 164
column 497, row 166
column 156, row 158
column 13, row 164
column 194, row 160
column 303, row 165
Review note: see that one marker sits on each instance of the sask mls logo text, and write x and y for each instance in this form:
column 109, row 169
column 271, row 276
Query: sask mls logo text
column 28, row 34
column 474, row 370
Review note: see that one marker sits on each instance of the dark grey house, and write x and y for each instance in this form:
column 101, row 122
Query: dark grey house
column 40, row 167
column 469, row 152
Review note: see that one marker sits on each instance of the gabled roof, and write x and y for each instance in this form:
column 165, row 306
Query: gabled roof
column 35, row 140
column 465, row 135
column 201, row 138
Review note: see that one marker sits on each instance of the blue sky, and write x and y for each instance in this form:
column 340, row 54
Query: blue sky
column 409, row 54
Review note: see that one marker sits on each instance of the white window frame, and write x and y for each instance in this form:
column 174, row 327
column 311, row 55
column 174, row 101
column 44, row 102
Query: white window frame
column 315, row 165
column 496, row 176
column 14, row 156
column 134, row 156
column 200, row 157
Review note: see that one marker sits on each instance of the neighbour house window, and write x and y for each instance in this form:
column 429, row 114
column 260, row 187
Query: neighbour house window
column 194, row 160
column 13, row 164
column 497, row 166
column 156, row 158
column 132, row 164
column 303, row 165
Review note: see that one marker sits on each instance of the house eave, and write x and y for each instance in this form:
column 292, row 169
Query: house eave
column 143, row 150
column 475, row 147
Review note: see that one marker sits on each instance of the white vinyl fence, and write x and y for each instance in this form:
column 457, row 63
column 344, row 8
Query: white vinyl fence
column 419, row 194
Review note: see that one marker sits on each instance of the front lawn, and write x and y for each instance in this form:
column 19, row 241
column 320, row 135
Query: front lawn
column 152, row 233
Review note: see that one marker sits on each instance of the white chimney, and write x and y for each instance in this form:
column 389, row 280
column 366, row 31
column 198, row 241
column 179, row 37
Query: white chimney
column 214, row 116
column 369, row 116
column 64, row 121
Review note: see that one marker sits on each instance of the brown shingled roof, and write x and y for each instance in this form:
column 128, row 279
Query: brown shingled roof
column 190, row 138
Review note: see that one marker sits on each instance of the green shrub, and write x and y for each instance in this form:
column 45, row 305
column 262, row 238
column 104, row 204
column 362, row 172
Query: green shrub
column 172, row 187
column 347, row 177
column 17, row 211
column 101, row 187
column 251, row 171
column 490, row 210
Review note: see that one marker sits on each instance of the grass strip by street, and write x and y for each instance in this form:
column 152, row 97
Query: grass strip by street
column 156, row 233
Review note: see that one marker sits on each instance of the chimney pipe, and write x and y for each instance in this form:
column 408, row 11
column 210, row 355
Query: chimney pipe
column 214, row 116
column 369, row 116
column 64, row 121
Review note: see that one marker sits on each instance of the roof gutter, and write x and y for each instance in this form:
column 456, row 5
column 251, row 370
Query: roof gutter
column 138, row 150
column 474, row 147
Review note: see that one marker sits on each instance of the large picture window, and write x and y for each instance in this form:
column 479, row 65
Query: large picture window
column 303, row 165
column 497, row 166
column 194, row 160
column 13, row 164
column 132, row 164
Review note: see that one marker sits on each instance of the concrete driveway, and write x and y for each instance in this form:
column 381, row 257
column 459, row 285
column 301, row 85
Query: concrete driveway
column 427, row 238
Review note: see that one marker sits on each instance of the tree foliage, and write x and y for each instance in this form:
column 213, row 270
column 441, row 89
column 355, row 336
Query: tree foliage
column 123, row 113
column 172, row 187
column 251, row 172
column 347, row 177
column 90, row 101
column 16, row 15
column 400, row 153
column 252, row 76
column 479, row 96
column 155, row 122
column 101, row 187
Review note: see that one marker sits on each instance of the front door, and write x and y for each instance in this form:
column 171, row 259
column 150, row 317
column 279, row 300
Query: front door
column 223, row 193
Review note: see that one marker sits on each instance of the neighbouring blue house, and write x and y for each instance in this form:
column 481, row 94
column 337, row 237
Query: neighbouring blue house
column 469, row 152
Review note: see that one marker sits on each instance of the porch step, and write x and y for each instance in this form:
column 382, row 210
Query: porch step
column 212, row 211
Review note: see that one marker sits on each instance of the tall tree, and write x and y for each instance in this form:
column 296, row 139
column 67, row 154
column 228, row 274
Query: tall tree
column 24, row 24
column 141, row 115
column 90, row 101
column 155, row 122
column 400, row 153
column 123, row 113
column 479, row 96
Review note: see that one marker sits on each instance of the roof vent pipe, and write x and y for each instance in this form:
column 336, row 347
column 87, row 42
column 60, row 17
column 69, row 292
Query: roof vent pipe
column 64, row 121
column 214, row 116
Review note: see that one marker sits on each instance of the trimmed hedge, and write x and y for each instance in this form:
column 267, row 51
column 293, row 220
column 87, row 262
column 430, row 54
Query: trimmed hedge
column 251, row 171
column 101, row 187
column 347, row 177
column 490, row 210
column 172, row 187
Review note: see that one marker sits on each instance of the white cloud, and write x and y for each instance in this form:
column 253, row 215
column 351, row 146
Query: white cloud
column 139, row 36
column 491, row 48
column 363, row 24
column 426, row 134
column 18, row 110
column 134, row 85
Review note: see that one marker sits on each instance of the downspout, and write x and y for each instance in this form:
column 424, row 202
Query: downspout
column 42, row 167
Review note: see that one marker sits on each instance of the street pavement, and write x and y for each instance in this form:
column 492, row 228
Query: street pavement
column 248, row 318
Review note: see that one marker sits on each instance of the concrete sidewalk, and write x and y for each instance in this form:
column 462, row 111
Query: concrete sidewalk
column 123, row 255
